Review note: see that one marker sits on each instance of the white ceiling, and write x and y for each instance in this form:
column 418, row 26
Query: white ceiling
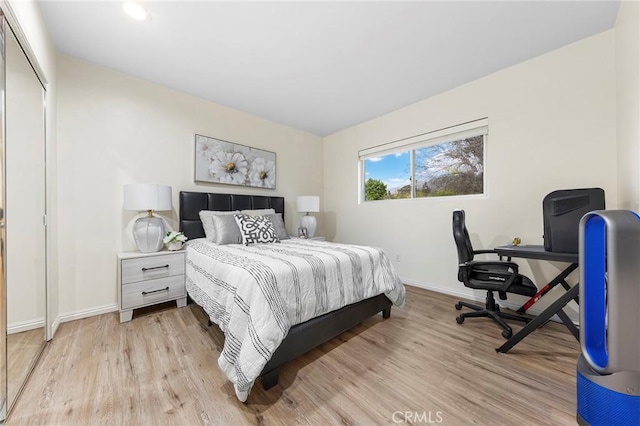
column 319, row 66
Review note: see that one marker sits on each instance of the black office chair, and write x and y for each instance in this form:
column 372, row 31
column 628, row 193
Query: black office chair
column 498, row 275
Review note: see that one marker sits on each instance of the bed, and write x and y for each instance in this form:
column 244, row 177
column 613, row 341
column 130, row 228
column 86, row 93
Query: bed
column 296, row 339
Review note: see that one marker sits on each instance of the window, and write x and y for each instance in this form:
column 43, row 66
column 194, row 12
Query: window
column 442, row 163
column 450, row 168
column 388, row 176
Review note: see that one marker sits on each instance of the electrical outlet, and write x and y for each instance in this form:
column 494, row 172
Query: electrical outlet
column 397, row 257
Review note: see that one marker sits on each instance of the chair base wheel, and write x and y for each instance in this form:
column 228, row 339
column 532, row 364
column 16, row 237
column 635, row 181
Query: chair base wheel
column 458, row 306
column 460, row 319
column 507, row 334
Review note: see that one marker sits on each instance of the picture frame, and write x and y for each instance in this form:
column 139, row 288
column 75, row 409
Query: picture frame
column 302, row 232
column 229, row 163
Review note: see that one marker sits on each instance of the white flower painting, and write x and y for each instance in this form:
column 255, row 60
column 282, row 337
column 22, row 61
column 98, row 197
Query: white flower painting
column 219, row 161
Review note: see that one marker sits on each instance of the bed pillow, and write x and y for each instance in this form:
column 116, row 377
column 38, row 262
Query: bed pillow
column 257, row 212
column 278, row 225
column 207, row 221
column 256, row 229
column 226, row 230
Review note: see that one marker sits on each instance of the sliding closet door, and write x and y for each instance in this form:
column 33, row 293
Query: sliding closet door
column 24, row 216
column 3, row 305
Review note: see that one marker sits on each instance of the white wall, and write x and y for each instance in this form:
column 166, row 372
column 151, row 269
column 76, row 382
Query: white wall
column 552, row 125
column 31, row 28
column 114, row 129
column 627, row 47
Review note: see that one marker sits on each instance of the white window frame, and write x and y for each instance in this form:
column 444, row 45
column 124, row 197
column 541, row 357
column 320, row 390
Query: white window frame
column 466, row 130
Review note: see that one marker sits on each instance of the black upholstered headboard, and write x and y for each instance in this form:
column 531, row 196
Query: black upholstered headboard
column 192, row 202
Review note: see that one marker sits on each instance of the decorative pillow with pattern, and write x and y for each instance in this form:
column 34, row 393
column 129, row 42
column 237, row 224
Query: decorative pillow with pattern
column 256, row 229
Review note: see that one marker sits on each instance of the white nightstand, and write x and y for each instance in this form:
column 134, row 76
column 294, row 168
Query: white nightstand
column 149, row 278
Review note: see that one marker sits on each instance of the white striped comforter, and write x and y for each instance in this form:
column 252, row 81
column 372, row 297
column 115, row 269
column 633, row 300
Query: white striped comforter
column 256, row 293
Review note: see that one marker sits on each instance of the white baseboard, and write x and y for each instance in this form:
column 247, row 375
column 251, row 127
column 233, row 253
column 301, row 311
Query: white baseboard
column 472, row 296
column 86, row 313
column 19, row 327
column 55, row 325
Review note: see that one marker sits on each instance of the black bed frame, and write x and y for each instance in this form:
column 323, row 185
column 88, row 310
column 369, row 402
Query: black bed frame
column 302, row 337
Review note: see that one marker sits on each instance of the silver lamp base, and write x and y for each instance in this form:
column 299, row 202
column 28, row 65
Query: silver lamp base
column 309, row 222
column 148, row 233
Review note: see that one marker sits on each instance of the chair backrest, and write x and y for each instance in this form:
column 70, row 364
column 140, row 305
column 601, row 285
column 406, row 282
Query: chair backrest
column 461, row 237
column 561, row 214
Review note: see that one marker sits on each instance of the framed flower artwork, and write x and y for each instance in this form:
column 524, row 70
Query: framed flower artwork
column 218, row 161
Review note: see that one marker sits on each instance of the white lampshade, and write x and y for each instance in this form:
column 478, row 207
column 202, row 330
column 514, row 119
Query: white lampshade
column 149, row 231
column 147, row 196
column 308, row 203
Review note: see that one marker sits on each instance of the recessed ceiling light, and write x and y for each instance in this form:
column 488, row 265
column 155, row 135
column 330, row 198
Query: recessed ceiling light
column 136, row 11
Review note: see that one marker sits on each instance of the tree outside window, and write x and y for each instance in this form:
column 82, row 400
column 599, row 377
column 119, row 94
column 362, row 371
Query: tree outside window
column 452, row 168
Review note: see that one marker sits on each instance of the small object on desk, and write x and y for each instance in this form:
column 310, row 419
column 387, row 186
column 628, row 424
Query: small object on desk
column 302, row 232
column 516, row 241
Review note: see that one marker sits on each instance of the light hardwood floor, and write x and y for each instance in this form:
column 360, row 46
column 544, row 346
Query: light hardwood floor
column 161, row 368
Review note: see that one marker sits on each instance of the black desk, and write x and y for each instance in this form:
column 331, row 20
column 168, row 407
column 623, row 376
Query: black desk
column 538, row 252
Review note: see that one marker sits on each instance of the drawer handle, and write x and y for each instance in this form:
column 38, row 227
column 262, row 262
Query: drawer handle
column 155, row 267
column 144, row 293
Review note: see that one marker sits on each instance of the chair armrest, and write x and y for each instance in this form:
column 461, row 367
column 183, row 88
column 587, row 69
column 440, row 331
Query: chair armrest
column 485, row 252
column 511, row 265
column 491, row 252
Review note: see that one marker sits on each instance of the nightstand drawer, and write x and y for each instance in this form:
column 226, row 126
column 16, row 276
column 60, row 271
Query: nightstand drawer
column 152, row 291
column 149, row 268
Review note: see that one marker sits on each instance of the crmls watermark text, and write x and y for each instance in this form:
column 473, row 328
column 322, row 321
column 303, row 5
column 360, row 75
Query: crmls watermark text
column 428, row 417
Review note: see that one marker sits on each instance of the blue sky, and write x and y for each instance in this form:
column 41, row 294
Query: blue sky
column 392, row 169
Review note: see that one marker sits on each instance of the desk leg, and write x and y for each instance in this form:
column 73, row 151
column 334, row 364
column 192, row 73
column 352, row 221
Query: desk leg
column 545, row 316
column 569, row 324
column 560, row 279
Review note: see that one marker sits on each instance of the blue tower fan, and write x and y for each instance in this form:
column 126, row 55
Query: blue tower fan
column 608, row 371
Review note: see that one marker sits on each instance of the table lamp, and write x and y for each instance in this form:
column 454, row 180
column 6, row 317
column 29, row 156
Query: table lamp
column 308, row 204
column 148, row 231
